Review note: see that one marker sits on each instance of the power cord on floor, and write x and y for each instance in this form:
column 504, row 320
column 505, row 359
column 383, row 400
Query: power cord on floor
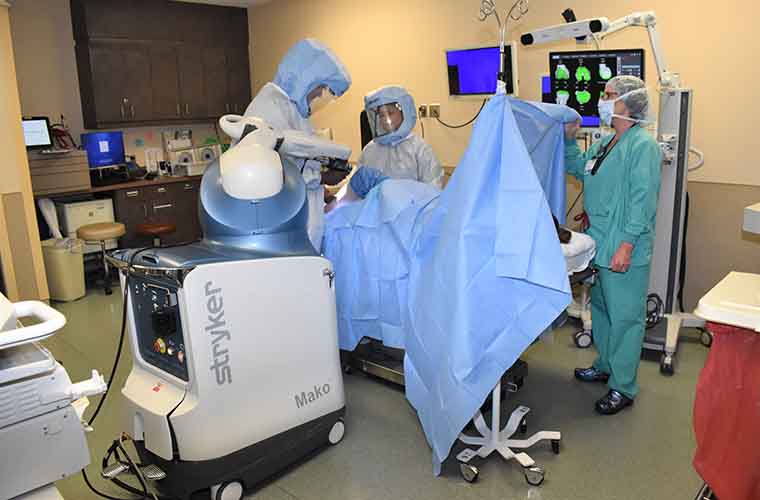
column 467, row 123
column 145, row 493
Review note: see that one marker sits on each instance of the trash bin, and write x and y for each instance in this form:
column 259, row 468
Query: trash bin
column 64, row 266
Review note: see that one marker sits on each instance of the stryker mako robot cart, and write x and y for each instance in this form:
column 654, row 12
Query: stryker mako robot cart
column 236, row 365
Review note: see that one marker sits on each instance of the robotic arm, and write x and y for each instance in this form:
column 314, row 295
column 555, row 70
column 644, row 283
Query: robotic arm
column 602, row 27
column 253, row 169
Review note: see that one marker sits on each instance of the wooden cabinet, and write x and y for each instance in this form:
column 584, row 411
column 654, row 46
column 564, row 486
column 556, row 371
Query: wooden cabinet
column 117, row 87
column 174, row 203
column 192, row 82
column 238, row 79
column 155, row 61
column 215, row 76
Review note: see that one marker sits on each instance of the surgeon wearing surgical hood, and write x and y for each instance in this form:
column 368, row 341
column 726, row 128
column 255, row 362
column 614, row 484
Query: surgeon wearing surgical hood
column 396, row 151
column 621, row 179
column 309, row 76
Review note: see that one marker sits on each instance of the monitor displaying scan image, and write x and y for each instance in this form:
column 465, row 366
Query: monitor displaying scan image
column 578, row 78
column 475, row 71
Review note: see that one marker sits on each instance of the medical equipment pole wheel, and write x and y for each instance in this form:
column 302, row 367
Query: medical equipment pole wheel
column 706, row 338
column 534, row 475
column 583, row 339
column 666, row 365
column 469, row 472
column 227, row 491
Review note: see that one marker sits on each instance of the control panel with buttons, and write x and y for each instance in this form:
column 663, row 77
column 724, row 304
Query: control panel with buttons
column 158, row 324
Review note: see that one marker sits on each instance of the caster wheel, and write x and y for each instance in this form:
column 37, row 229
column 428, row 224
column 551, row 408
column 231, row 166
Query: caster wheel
column 337, row 432
column 706, row 338
column 108, row 291
column 534, row 475
column 519, row 382
column 524, row 426
column 469, row 472
column 583, row 339
column 347, row 369
column 666, row 365
column 227, row 491
column 556, row 443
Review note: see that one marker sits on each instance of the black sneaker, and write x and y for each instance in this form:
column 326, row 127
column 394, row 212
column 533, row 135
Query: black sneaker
column 612, row 403
column 591, row 374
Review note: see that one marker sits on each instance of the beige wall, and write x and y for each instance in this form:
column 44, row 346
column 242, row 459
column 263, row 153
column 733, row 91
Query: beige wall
column 43, row 43
column 397, row 41
column 20, row 251
column 401, row 41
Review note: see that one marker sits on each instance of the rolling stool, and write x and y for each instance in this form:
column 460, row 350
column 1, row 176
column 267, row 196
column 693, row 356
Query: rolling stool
column 156, row 230
column 100, row 233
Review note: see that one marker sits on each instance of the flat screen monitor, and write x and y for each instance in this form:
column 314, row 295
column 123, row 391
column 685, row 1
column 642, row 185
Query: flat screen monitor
column 578, row 78
column 475, row 71
column 36, row 132
column 104, row 149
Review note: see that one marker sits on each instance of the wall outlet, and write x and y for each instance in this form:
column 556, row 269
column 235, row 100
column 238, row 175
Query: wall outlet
column 423, row 110
column 435, row 111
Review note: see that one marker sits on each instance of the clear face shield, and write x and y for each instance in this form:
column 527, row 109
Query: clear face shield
column 320, row 98
column 385, row 119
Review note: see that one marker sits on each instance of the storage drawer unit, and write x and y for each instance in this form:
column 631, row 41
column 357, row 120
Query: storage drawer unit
column 59, row 173
column 175, row 203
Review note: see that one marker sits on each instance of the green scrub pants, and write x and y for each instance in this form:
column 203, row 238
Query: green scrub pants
column 618, row 309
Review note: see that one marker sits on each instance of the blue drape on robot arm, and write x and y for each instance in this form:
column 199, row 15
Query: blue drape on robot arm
column 464, row 280
column 540, row 127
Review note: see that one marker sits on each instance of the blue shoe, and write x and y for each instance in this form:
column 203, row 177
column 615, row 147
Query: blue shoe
column 591, row 374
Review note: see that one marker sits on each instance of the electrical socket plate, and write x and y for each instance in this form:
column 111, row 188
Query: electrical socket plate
column 435, row 111
column 423, row 110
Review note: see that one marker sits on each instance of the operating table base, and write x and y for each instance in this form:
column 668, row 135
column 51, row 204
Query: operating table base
column 493, row 440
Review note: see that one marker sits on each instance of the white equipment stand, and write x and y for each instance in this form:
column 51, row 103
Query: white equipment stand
column 41, row 434
column 494, row 440
column 673, row 136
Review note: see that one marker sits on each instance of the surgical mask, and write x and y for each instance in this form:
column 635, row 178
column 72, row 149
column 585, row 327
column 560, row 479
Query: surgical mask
column 606, row 109
column 325, row 98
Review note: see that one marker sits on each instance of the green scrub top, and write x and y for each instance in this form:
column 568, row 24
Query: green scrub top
column 621, row 198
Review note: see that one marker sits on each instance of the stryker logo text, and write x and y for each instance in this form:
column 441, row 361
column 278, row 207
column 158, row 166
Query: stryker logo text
column 219, row 334
column 305, row 398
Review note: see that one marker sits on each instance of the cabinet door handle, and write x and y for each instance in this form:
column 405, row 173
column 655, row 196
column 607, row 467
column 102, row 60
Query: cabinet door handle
column 227, row 107
column 188, row 187
column 123, row 113
column 159, row 207
column 187, row 109
column 161, row 190
column 145, row 210
column 179, row 110
column 132, row 194
column 133, row 110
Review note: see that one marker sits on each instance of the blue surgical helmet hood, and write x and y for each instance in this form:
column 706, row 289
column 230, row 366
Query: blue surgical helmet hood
column 393, row 94
column 308, row 65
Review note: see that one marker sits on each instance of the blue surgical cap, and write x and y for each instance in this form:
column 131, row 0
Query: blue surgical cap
column 388, row 95
column 308, row 65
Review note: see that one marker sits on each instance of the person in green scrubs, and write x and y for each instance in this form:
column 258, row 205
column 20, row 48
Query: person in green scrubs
column 621, row 182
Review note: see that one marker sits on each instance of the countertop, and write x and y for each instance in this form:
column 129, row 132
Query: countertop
column 143, row 183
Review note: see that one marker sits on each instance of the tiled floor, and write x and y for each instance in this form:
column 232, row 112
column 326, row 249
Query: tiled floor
column 643, row 453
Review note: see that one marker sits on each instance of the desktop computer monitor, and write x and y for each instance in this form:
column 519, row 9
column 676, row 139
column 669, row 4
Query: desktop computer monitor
column 104, row 149
column 475, row 71
column 36, row 132
column 577, row 79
